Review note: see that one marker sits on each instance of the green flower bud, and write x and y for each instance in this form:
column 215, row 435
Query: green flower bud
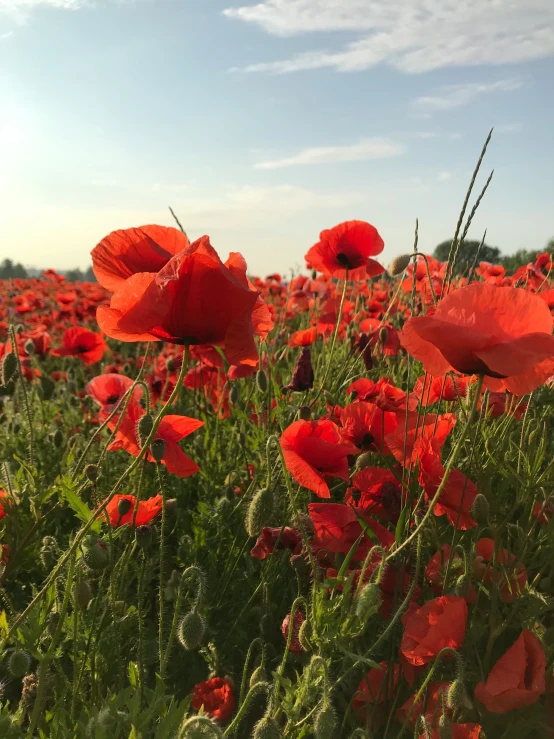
column 368, row 601
column 157, row 449
column 19, row 663
column 124, row 506
column 325, row 723
column 258, row 676
column 462, row 586
column 83, row 594
column 456, row 698
column 399, row 264
column 234, row 394
column 96, row 557
column 480, row 509
column 445, row 727
column 364, row 460
column 261, row 381
column 267, row 728
column 143, row 537
column 91, row 472
column 191, row 630
column 144, row 428
column 29, row 347
column 305, row 635
column 8, row 368
column 259, row 511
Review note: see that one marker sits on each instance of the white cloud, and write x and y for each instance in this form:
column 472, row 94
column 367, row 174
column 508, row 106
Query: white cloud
column 20, row 10
column 365, row 149
column 455, row 96
column 411, row 35
column 443, row 176
column 509, row 128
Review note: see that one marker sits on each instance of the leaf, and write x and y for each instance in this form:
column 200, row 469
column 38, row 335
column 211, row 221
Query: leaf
column 365, row 527
column 4, row 622
column 400, row 526
column 78, row 506
column 134, row 675
column 363, row 660
column 344, row 567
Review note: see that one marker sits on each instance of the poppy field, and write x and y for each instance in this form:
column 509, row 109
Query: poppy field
column 235, row 506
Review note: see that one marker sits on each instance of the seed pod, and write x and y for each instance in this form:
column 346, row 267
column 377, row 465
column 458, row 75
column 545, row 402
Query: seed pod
column 258, row 676
column 304, row 413
column 399, row 264
column 143, row 536
column 19, row 663
column 8, row 368
column 456, row 697
column 191, row 630
column 29, row 347
column 267, row 728
column 96, row 557
column 144, row 428
column 91, row 472
column 171, row 364
column 261, row 381
column 325, row 723
column 83, row 594
column 368, row 600
column 157, row 449
column 234, row 394
column 259, row 512
column 480, row 509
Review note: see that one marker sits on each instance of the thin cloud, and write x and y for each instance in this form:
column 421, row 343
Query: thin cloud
column 413, row 37
column 365, row 149
column 455, row 96
column 444, row 176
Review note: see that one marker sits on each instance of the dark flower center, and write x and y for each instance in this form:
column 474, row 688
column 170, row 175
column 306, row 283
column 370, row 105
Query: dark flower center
column 112, row 399
column 343, row 260
column 367, row 441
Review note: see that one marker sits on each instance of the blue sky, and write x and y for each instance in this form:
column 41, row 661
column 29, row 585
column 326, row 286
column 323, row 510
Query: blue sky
column 263, row 123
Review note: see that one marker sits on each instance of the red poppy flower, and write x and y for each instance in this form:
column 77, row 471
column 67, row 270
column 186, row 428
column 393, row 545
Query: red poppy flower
column 439, row 623
column 517, row 679
column 459, row 492
column 147, row 510
column 313, row 451
column 5, row 497
column 404, row 442
column 305, row 337
column 194, row 299
column 504, row 333
column 295, row 645
column 380, row 493
column 433, row 389
column 171, row 429
column 107, row 390
column 542, row 513
column 504, row 403
column 347, row 246
column 82, row 343
column 365, row 425
column 375, row 688
column 336, row 528
column 216, row 696
column 124, row 253
column 509, row 574
column 287, row 537
column 382, row 393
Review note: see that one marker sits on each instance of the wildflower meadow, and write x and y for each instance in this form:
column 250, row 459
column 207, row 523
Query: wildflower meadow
column 309, row 506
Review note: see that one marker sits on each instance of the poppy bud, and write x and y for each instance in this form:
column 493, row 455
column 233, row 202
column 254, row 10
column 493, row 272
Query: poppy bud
column 96, row 557
column 305, row 413
column 456, row 697
column 83, row 594
column 258, row 676
column 170, row 364
column 480, row 509
column 144, row 427
column 325, row 723
column 71, row 442
column 383, row 334
column 191, row 630
column 303, row 373
column 399, row 264
column 157, row 449
column 46, row 556
column 171, row 505
column 261, row 381
column 314, row 274
column 364, row 460
column 367, row 358
column 143, row 537
column 479, row 567
column 234, row 394
column 267, row 728
column 8, row 368
column 368, row 601
column 19, row 663
column 29, row 347
column 259, row 512
column 124, row 506
column 304, row 636
column 91, row 472
column 445, row 727
column 462, row 586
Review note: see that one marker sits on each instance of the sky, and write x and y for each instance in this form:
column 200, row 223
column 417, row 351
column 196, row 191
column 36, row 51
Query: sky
column 263, row 123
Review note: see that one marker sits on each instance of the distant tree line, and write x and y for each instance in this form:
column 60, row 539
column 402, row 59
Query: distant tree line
column 469, row 252
column 9, row 270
